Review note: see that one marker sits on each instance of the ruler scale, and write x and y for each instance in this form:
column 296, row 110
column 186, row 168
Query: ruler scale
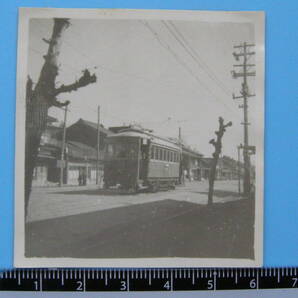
column 84, row 280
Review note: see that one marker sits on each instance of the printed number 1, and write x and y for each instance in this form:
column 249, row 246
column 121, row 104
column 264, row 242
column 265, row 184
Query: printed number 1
column 36, row 285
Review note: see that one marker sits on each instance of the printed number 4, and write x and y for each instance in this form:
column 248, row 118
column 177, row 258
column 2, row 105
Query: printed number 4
column 167, row 285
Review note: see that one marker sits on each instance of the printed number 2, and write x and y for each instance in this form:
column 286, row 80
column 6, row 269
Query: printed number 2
column 80, row 286
column 295, row 282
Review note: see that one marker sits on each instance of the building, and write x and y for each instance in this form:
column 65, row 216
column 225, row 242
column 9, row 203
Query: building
column 191, row 163
column 227, row 168
column 81, row 163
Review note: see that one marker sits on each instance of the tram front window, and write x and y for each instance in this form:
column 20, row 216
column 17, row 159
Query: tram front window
column 122, row 151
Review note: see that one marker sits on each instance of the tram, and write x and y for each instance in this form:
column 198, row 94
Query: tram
column 136, row 159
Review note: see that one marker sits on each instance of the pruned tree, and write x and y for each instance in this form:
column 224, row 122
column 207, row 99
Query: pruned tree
column 42, row 96
column 217, row 145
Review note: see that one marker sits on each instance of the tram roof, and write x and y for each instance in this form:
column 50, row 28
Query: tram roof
column 146, row 135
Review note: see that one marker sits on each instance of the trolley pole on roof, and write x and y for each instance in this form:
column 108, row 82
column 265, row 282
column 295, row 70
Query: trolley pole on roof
column 98, row 144
column 62, row 164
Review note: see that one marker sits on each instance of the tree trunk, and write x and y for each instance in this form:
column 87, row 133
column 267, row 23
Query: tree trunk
column 44, row 96
column 212, row 177
column 217, row 145
column 38, row 102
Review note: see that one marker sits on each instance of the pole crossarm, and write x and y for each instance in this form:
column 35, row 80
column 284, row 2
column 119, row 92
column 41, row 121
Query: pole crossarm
column 241, row 97
column 242, row 74
column 241, row 65
column 242, row 46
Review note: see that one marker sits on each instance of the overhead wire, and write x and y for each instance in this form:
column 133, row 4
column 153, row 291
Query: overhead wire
column 185, row 66
column 198, row 59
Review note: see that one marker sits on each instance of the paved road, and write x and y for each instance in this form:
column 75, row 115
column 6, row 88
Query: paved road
column 166, row 228
column 87, row 223
column 47, row 203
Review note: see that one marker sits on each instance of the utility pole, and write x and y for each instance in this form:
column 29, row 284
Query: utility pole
column 62, row 162
column 180, row 157
column 239, row 168
column 98, row 144
column 244, row 51
column 217, row 145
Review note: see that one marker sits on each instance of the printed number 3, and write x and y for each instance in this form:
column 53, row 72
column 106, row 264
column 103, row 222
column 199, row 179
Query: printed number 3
column 123, row 286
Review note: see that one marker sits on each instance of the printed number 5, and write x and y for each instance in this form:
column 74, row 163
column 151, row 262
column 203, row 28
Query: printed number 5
column 210, row 284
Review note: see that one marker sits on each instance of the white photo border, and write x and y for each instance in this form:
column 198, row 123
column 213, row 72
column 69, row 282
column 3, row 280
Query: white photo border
column 25, row 14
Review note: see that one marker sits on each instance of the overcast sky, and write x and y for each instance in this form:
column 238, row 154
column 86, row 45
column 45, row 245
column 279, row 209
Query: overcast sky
column 159, row 74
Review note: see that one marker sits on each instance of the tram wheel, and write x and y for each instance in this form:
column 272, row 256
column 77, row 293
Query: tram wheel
column 154, row 187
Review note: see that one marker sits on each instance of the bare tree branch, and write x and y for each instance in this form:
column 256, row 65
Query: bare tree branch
column 84, row 80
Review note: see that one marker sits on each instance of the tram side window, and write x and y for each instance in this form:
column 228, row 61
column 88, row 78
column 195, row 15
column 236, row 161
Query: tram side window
column 155, row 153
column 159, row 154
column 152, row 152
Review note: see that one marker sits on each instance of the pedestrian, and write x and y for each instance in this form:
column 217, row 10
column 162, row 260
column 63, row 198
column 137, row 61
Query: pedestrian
column 84, row 178
column 80, row 177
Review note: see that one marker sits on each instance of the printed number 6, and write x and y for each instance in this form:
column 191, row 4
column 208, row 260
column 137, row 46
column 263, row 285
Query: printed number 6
column 252, row 284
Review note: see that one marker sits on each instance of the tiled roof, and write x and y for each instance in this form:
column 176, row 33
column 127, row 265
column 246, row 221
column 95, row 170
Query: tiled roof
column 94, row 126
column 80, row 150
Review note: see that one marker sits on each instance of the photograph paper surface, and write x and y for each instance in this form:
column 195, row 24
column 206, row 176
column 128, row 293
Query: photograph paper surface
column 139, row 138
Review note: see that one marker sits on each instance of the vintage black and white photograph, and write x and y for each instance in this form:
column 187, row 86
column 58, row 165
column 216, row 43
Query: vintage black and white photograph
column 139, row 138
